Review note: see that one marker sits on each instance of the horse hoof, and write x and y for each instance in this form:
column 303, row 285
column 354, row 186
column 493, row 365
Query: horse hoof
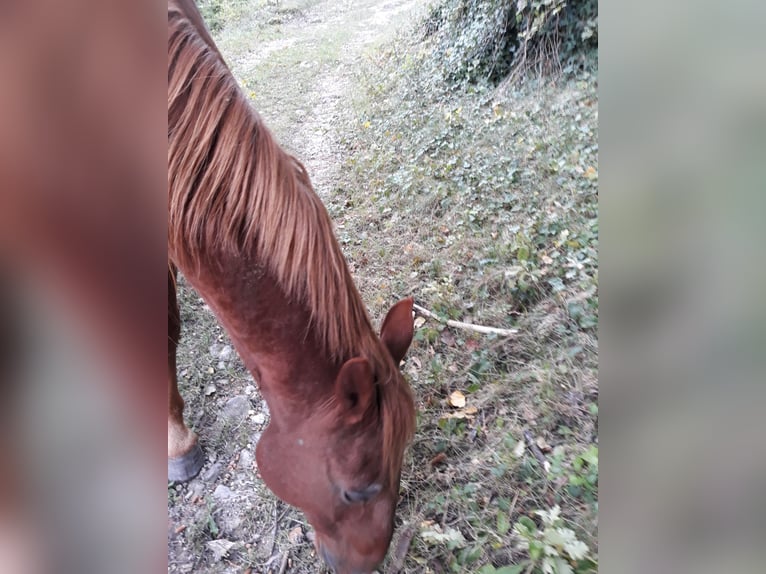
column 186, row 467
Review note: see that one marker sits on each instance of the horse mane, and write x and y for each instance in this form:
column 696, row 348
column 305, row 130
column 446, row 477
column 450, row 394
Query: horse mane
column 233, row 190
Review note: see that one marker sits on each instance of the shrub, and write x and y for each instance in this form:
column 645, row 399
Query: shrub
column 494, row 40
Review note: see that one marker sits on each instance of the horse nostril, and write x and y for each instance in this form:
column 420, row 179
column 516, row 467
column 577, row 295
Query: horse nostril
column 352, row 496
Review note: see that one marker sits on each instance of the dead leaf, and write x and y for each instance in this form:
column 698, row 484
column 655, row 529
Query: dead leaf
column 436, row 536
column 591, row 173
column 440, row 458
column 448, row 338
column 518, row 450
column 542, row 445
column 220, row 548
column 471, row 345
column 419, row 322
column 403, row 544
column 295, row 535
column 461, row 414
column 180, row 528
column 528, row 414
column 457, row 399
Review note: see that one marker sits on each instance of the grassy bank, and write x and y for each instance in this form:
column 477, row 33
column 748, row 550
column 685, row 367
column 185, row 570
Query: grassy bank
column 482, row 204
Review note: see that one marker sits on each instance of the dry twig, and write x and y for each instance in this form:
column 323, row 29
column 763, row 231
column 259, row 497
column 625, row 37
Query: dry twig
column 283, row 565
column 468, row 326
column 534, row 448
column 402, row 546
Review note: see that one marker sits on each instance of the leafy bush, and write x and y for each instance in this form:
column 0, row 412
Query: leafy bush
column 581, row 476
column 218, row 13
column 497, row 39
column 555, row 549
column 212, row 12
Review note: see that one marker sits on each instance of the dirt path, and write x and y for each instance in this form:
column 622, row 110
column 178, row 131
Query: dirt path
column 310, row 69
column 298, row 63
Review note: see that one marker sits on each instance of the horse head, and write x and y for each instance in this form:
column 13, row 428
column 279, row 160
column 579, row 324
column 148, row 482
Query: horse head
column 341, row 465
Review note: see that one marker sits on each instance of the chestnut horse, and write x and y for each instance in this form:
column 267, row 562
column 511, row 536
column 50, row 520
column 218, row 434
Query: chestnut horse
column 250, row 235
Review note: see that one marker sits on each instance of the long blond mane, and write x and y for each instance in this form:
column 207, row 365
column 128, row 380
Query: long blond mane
column 233, row 190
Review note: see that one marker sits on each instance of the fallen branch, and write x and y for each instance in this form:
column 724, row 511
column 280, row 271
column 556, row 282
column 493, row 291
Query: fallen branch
column 402, row 546
column 468, row 326
column 277, row 518
column 283, row 565
column 534, row 448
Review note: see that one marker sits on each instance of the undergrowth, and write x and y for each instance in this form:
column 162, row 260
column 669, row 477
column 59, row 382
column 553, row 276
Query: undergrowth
column 482, row 203
column 497, row 40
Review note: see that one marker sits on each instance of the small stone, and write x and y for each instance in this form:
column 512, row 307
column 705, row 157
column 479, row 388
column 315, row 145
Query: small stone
column 230, row 523
column 195, row 489
column 210, row 389
column 245, row 460
column 222, row 492
column 259, row 418
column 225, row 353
column 236, row 408
column 215, row 348
column 212, row 473
column 249, row 389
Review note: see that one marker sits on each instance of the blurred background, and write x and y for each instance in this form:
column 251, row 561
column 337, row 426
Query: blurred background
column 681, row 322
column 683, row 159
column 82, row 278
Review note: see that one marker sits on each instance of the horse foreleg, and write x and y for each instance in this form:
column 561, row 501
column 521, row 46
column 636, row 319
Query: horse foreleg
column 185, row 457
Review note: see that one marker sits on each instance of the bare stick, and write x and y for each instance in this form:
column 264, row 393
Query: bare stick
column 534, row 448
column 468, row 326
column 277, row 518
column 402, row 546
column 283, row 566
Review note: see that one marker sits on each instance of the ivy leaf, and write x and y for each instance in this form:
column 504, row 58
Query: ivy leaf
column 555, row 537
column 503, row 523
column 451, row 537
column 576, row 549
column 562, row 567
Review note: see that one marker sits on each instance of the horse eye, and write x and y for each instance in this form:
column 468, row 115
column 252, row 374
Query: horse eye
column 353, row 496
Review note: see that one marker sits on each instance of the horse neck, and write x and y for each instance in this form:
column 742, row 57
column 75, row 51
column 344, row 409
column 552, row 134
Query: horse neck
column 272, row 335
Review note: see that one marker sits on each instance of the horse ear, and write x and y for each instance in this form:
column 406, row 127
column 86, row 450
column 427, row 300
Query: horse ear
column 355, row 389
column 397, row 330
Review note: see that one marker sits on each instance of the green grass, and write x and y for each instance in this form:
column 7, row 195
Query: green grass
column 483, row 205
